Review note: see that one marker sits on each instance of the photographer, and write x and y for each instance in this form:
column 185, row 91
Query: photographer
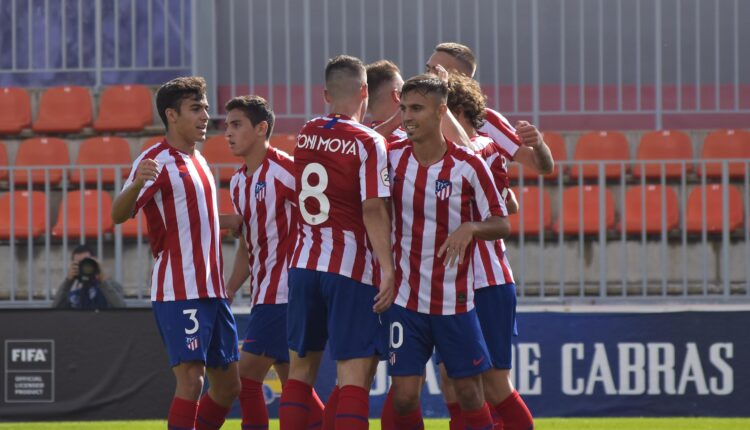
column 85, row 287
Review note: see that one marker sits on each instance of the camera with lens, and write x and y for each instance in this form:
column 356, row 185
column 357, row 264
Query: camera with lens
column 88, row 271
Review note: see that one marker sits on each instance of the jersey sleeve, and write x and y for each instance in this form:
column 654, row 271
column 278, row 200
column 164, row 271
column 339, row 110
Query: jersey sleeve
column 234, row 193
column 500, row 130
column 373, row 170
column 149, row 188
column 486, row 193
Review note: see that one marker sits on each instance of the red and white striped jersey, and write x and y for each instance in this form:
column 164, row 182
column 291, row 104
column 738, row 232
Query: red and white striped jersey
column 339, row 163
column 429, row 203
column 499, row 129
column 491, row 265
column 395, row 136
column 264, row 199
column 183, row 225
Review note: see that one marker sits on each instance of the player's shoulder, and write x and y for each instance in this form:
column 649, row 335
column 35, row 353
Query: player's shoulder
column 364, row 133
column 496, row 118
column 281, row 159
column 159, row 152
column 466, row 156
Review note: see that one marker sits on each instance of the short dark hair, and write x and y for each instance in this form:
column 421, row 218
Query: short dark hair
column 170, row 94
column 255, row 108
column 81, row 249
column 465, row 95
column 351, row 66
column 426, row 84
column 379, row 73
column 344, row 76
column 460, row 52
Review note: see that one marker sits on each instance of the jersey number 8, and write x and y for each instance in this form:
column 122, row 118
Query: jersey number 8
column 315, row 192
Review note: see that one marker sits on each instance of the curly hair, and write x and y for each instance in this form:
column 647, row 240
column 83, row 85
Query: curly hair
column 465, row 95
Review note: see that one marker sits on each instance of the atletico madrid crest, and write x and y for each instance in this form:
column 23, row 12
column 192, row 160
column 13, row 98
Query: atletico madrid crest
column 260, row 191
column 442, row 189
column 191, row 343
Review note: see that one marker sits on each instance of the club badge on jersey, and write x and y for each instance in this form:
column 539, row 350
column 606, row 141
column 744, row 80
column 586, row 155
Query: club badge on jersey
column 260, row 191
column 191, row 342
column 443, row 189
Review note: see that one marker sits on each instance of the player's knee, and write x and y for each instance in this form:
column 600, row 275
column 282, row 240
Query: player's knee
column 469, row 394
column 190, row 386
column 405, row 401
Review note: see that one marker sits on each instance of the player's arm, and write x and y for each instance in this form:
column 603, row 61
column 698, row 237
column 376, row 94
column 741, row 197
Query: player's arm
column 454, row 248
column 231, row 222
column 124, row 204
column 377, row 220
column 511, row 203
column 533, row 152
column 387, row 127
column 240, row 270
column 451, row 128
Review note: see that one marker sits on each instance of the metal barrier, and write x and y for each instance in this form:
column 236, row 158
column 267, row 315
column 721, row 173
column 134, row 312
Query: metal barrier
column 609, row 262
column 94, row 43
column 565, row 64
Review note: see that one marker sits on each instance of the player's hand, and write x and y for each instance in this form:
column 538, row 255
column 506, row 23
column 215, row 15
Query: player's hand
column 233, row 223
column 147, row 170
column 384, row 298
column 454, row 248
column 528, row 134
column 230, row 295
column 73, row 271
column 441, row 73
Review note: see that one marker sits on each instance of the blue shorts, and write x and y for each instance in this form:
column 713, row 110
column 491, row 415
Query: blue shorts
column 331, row 307
column 457, row 338
column 198, row 330
column 496, row 309
column 266, row 332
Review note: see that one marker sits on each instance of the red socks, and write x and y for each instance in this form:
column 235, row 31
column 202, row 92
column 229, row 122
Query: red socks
column 411, row 421
column 479, row 419
column 457, row 421
column 329, row 413
column 514, row 414
column 353, row 408
column 315, row 415
column 182, row 414
column 211, row 415
column 253, row 405
column 294, row 405
column 387, row 416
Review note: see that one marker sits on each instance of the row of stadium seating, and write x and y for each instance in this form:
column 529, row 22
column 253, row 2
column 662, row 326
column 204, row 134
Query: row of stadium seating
column 591, row 147
column 68, row 109
column 579, row 213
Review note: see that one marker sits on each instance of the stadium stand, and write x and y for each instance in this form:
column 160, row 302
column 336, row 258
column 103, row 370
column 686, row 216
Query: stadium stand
column 37, row 152
column 124, row 108
column 22, row 210
column 151, row 141
column 714, row 211
column 63, row 110
column 84, row 220
column 3, row 162
column 580, row 209
column 532, row 211
column 727, row 144
column 130, row 228
column 664, row 145
column 216, row 151
column 15, row 110
column 556, row 145
column 284, row 142
column 600, row 146
column 100, row 151
column 639, row 217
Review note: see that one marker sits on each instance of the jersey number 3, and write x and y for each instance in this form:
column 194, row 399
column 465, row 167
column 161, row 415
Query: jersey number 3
column 314, row 192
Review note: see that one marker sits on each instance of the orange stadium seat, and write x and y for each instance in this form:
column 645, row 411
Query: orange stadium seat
column 225, row 205
column 124, row 108
column 714, row 212
column 86, row 219
column 15, row 110
column 726, row 144
column 151, row 141
column 3, row 162
column 531, row 211
column 216, row 150
column 600, row 145
column 633, row 213
column 130, row 227
column 284, row 142
column 664, row 145
column 21, row 210
column 98, row 151
column 41, row 151
column 588, row 214
column 63, row 110
column 556, row 145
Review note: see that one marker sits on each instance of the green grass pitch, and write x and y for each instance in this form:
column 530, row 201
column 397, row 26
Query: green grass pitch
column 438, row 424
